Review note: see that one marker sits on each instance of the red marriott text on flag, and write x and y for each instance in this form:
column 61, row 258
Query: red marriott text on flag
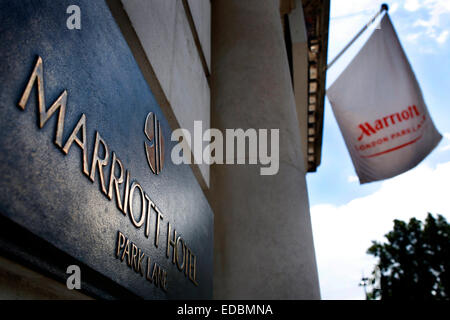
column 380, row 124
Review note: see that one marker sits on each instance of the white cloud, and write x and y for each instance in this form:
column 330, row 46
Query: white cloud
column 352, row 179
column 342, row 234
column 432, row 20
column 442, row 37
column 393, row 8
column 412, row 37
column 438, row 12
column 412, row 5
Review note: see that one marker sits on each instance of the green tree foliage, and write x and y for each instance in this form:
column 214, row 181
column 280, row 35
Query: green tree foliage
column 414, row 264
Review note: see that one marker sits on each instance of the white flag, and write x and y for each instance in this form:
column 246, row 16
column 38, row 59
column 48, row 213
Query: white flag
column 380, row 109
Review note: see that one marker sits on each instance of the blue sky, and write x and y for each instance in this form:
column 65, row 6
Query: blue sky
column 346, row 216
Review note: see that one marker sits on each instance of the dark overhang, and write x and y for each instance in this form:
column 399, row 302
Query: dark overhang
column 317, row 16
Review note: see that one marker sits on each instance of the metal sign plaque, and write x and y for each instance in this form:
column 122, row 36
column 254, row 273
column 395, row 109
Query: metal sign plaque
column 82, row 154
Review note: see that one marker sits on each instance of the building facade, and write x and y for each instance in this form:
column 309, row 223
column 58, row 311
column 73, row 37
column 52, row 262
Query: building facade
column 109, row 95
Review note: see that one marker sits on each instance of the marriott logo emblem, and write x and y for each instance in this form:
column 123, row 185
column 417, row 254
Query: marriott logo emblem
column 155, row 148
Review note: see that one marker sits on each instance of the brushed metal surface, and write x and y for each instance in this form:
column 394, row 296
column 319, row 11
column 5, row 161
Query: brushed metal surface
column 45, row 191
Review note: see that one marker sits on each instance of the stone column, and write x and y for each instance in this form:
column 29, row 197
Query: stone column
column 263, row 237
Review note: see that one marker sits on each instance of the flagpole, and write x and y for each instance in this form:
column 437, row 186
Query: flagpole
column 384, row 7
